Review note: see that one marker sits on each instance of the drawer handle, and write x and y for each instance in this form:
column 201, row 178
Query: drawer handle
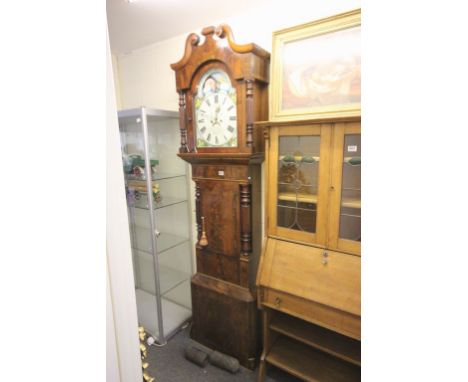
column 325, row 258
column 277, row 302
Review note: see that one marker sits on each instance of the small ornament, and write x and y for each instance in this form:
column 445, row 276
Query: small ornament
column 144, row 354
column 138, row 172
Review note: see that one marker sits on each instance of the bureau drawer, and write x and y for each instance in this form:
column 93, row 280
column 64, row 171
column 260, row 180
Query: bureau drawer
column 342, row 322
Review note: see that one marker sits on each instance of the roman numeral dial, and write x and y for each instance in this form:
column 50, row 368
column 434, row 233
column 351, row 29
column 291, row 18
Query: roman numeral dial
column 216, row 119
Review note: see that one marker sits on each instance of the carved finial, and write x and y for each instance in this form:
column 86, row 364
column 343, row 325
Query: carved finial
column 192, row 40
column 225, row 31
column 208, row 31
column 222, row 29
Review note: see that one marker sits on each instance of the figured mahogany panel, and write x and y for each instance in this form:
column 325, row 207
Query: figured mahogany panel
column 220, row 205
column 217, row 265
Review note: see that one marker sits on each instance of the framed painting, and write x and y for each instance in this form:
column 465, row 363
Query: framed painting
column 316, row 69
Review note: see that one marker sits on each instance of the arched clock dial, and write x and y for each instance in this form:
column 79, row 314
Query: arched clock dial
column 216, row 111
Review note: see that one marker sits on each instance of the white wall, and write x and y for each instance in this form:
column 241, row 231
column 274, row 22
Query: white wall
column 147, row 79
column 116, row 76
column 112, row 357
column 123, row 353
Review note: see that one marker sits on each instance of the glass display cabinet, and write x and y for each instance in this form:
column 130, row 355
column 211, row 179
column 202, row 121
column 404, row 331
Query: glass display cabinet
column 309, row 278
column 156, row 186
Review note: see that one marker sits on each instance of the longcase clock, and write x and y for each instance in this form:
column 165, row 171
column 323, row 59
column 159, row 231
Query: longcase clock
column 223, row 90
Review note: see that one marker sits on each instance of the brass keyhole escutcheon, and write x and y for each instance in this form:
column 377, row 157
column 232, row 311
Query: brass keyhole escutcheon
column 277, row 302
column 325, row 258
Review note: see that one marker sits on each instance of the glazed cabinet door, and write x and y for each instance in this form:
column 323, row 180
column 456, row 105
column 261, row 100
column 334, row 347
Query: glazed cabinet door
column 298, row 182
column 345, row 190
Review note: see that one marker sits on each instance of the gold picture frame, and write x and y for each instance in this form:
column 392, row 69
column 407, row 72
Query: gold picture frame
column 316, row 69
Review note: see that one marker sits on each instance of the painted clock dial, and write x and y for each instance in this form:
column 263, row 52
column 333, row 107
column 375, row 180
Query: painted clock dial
column 215, row 111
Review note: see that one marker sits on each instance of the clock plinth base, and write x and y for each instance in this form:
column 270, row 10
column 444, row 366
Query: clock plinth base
column 225, row 318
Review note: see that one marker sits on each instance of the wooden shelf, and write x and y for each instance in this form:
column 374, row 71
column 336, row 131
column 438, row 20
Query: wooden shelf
column 323, row 339
column 312, row 198
column 310, row 364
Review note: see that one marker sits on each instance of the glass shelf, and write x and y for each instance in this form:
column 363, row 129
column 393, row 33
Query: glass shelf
column 306, row 159
column 350, row 215
column 166, row 202
column 352, row 161
column 156, row 176
column 165, row 241
column 175, row 314
column 298, row 185
column 169, row 278
column 312, row 198
column 351, row 202
column 299, row 197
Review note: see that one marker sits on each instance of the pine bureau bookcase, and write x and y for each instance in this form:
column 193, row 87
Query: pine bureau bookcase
column 308, row 283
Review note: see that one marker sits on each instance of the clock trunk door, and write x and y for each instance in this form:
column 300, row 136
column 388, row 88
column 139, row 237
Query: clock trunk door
column 220, row 206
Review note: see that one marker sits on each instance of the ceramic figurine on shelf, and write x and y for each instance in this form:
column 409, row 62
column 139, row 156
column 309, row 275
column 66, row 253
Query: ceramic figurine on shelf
column 156, row 193
column 135, row 188
column 134, row 165
column 132, row 195
column 138, row 172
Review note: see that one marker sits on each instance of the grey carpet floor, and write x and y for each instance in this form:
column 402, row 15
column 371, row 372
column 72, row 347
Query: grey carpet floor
column 168, row 364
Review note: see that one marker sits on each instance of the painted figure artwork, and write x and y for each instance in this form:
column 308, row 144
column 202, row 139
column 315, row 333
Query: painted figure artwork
column 322, row 70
